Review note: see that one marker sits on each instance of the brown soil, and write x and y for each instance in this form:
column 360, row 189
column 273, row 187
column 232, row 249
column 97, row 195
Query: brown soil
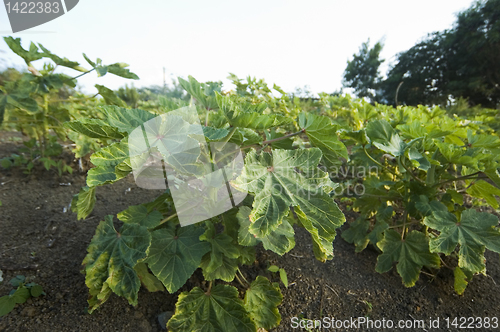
column 46, row 244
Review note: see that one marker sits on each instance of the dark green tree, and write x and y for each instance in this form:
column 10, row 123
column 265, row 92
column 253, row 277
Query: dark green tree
column 473, row 54
column 463, row 61
column 362, row 72
column 419, row 74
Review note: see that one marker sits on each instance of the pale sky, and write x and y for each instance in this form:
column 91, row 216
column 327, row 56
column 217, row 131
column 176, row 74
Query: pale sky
column 290, row 43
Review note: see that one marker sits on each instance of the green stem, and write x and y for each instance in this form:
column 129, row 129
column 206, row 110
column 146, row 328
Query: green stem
column 167, row 219
column 45, row 130
column 240, row 281
column 405, row 216
column 74, row 78
column 230, row 135
column 465, row 177
column 400, row 225
column 410, row 172
column 276, row 139
column 241, row 274
column 206, row 118
column 379, row 164
column 209, row 288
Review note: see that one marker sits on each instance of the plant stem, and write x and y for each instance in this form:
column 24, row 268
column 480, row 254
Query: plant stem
column 74, row 78
column 230, row 135
column 410, row 172
column 239, row 280
column 276, row 139
column 405, row 216
column 167, row 219
column 465, row 177
column 209, row 288
column 241, row 274
column 206, row 118
column 399, row 225
column 379, row 164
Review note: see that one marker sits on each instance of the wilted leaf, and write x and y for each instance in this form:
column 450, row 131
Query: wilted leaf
column 83, row 202
column 218, row 310
column 261, row 301
column 109, row 264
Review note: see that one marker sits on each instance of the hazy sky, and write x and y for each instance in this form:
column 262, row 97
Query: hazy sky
column 290, row 43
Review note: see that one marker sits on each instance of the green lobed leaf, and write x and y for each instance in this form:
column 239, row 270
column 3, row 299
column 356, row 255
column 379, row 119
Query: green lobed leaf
column 28, row 56
column 125, row 120
column 261, row 302
column 221, row 262
column 320, row 216
column 246, row 115
column 395, row 146
column 285, row 144
column 110, row 164
column 101, row 175
column 111, row 155
column 278, row 181
column 215, row 134
column 357, row 233
column 202, row 92
column 280, row 241
column 149, row 281
column 485, row 190
column 175, row 254
column 379, row 131
column 138, row 214
column 61, row 61
column 245, row 238
column 120, row 69
column 94, row 128
column 411, row 253
column 225, row 271
column 473, row 233
column 83, row 202
column 323, row 135
column 109, row 264
column 246, row 136
column 218, row 310
column 110, row 96
column 426, row 208
column 421, row 160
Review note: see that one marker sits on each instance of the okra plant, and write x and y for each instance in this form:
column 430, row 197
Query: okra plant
column 40, row 101
column 152, row 244
column 425, row 166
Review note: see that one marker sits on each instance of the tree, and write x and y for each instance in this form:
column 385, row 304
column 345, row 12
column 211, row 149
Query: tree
column 463, row 61
column 362, row 72
column 474, row 54
column 419, row 75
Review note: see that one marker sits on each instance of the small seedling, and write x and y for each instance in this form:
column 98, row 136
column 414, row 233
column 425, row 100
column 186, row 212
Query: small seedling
column 22, row 292
column 283, row 276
